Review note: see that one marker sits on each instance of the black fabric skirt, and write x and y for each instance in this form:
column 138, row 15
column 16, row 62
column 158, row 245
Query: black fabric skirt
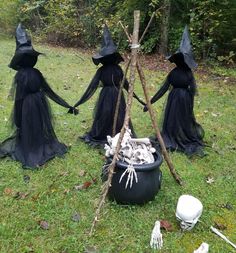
column 34, row 141
column 180, row 131
column 104, row 113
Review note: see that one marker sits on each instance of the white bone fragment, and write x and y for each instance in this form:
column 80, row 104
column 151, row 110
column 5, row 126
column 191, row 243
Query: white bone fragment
column 216, row 231
column 204, row 248
column 133, row 151
column 141, row 140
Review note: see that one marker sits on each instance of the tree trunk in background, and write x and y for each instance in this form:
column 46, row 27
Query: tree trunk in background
column 164, row 28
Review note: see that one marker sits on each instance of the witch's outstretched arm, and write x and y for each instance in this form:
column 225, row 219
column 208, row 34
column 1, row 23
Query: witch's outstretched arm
column 91, row 89
column 159, row 93
column 164, row 88
column 126, row 86
column 56, row 98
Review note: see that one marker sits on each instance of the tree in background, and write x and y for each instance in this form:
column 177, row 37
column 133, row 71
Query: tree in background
column 213, row 26
column 78, row 23
column 164, row 27
column 8, row 16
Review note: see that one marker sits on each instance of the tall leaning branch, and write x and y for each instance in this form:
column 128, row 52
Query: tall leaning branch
column 152, row 114
column 134, row 53
column 154, row 124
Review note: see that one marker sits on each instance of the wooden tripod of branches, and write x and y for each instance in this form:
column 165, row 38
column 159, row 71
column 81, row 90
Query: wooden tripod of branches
column 133, row 63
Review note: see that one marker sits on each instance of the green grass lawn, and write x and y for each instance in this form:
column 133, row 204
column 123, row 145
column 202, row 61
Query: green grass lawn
column 50, row 195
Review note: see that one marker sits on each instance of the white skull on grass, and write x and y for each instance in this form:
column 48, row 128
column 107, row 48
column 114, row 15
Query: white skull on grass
column 188, row 211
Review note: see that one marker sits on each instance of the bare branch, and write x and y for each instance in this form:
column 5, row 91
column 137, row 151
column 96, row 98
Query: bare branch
column 149, row 23
column 154, row 124
column 134, row 53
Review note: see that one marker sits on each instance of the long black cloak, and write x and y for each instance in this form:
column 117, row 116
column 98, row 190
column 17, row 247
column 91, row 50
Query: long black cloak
column 180, row 130
column 34, row 141
column 109, row 76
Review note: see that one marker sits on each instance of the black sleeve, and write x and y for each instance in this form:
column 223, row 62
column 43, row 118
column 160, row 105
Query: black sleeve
column 91, row 88
column 164, row 88
column 126, row 87
column 52, row 95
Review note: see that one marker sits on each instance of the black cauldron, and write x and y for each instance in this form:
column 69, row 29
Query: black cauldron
column 149, row 182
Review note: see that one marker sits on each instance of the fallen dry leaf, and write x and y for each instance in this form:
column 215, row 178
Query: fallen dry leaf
column 78, row 187
column 84, row 127
column 29, row 248
column 85, row 185
column 228, row 206
column 8, row 191
column 20, row 195
column 210, row 180
column 53, row 190
column 44, row 224
column 66, row 191
column 76, row 217
column 220, row 226
column 82, row 173
column 64, row 174
column 166, row 225
column 90, row 249
column 94, row 180
column 35, row 197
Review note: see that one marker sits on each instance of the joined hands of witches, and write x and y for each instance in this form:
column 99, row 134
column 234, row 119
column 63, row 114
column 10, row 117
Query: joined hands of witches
column 145, row 109
column 73, row 110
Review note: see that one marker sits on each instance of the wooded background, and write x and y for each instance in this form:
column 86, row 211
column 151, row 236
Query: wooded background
column 78, row 23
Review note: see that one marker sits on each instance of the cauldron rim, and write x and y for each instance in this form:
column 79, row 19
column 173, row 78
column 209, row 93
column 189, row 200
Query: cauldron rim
column 140, row 167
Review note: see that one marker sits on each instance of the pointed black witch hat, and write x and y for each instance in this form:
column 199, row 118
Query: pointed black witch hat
column 108, row 47
column 184, row 53
column 23, row 47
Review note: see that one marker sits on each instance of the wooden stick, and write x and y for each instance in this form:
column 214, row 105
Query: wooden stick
column 126, row 31
column 119, row 98
column 146, row 29
column 149, row 23
column 107, row 184
column 153, row 117
column 154, row 124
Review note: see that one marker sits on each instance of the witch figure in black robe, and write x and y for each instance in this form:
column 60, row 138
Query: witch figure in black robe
column 109, row 75
column 34, row 141
column 180, row 131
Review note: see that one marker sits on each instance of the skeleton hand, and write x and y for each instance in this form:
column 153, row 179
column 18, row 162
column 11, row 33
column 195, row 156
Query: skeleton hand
column 131, row 176
column 156, row 237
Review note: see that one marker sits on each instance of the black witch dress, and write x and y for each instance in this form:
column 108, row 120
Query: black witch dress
column 109, row 76
column 34, row 141
column 180, row 131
